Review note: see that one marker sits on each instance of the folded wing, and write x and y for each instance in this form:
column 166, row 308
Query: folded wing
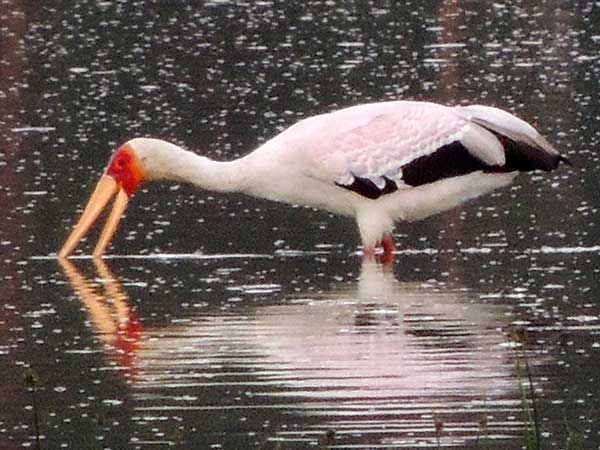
column 376, row 149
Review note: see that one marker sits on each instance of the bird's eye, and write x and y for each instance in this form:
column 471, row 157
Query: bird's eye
column 120, row 163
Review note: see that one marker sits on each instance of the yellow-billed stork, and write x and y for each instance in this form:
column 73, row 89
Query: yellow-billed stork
column 379, row 163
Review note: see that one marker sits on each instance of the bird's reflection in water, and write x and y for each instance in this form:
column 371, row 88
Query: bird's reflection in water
column 376, row 358
column 380, row 338
column 107, row 306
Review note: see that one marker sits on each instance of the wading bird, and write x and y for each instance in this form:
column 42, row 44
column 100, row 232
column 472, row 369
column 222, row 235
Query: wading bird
column 378, row 162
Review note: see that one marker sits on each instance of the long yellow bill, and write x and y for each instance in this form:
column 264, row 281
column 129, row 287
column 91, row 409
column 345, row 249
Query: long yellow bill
column 105, row 190
column 112, row 222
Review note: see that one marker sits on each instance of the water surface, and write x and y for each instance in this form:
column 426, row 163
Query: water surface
column 231, row 322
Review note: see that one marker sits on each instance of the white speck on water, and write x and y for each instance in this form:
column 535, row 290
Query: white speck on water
column 525, row 64
column 447, row 45
column 509, row 345
column 583, row 318
column 476, row 250
column 414, row 251
column 149, row 87
column 142, row 284
column 520, row 323
column 32, row 129
column 494, row 295
column 435, row 60
column 583, row 58
column 256, row 288
column 86, row 351
column 554, row 286
column 328, row 246
column 351, row 44
column 580, row 249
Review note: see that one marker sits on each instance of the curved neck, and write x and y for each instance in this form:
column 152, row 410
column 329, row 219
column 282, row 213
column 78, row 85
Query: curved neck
column 220, row 176
column 165, row 161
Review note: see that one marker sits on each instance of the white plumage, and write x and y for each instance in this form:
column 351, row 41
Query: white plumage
column 378, row 162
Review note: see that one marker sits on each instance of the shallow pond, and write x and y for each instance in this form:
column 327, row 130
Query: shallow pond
column 231, row 322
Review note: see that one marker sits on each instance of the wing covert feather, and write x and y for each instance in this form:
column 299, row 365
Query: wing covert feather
column 370, row 145
column 375, row 140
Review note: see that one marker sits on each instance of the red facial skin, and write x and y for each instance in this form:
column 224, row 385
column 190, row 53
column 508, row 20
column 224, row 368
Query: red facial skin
column 125, row 169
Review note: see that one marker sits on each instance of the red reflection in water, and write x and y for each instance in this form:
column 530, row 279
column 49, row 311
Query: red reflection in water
column 108, row 309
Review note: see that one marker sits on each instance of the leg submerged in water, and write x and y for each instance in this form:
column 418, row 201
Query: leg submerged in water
column 388, row 247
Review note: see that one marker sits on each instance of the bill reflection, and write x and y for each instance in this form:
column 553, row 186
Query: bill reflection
column 107, row 306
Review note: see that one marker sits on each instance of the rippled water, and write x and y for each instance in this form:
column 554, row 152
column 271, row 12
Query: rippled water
column 230, row 322
column 244, row 352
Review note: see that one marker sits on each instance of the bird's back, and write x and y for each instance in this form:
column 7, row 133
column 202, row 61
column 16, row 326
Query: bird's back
column 379, row 141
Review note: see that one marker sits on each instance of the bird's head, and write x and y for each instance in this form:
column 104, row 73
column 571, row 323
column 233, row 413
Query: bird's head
column 125, row 172
column 125, row 168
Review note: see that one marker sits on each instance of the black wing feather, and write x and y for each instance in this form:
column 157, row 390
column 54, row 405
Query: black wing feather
column 367, row 188
column 454, row 159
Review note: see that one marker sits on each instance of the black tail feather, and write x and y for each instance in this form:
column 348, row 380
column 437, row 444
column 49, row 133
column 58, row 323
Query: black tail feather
column 524, row 157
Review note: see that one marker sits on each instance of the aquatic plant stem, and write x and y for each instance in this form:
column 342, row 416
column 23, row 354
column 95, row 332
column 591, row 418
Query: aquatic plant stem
column 528, row 402
column 36, row 420
column 31, row 382
column 538, row 443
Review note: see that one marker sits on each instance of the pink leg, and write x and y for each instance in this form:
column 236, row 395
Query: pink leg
column 369, row 254
column 389, row 247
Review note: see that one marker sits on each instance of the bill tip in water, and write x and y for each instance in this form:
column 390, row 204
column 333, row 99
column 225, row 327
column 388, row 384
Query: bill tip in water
column 105, row 190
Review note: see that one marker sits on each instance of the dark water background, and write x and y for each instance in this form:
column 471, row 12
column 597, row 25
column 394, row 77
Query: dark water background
column 266, row 331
